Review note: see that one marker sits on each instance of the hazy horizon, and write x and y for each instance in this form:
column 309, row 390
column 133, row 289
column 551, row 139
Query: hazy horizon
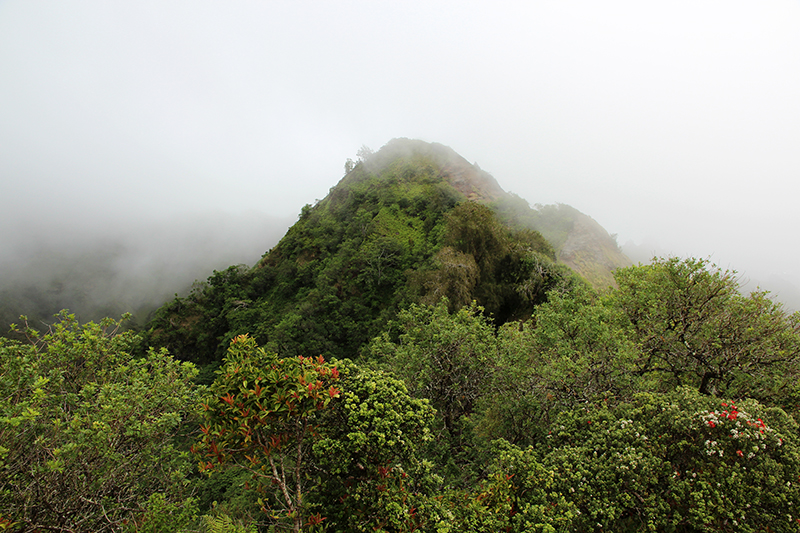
column 675, row 125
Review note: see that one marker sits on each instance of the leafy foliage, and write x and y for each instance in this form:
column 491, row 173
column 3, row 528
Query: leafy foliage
column 576, row 349
column 678, row 461
column 370, row 454
column 508, row 272
column 323, row 445
column 694, row 328
column 443, row 357
column 671, row 323
column 86, row 430
column 394, row 231
column 492, row 390
column 553, row 222
column 261, row 415
column 226, row 524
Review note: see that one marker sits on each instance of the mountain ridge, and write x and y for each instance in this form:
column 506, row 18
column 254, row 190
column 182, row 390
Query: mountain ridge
column 588, row 248
column 410, row 223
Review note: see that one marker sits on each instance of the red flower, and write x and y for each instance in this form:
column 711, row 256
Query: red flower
column 739, row 453
column 712, row 424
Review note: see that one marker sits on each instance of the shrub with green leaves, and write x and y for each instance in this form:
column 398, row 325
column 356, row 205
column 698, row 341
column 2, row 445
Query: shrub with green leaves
column 263, row 415
column 667, row 462
column 86, row 430
column 328, row 443
column 371, row 454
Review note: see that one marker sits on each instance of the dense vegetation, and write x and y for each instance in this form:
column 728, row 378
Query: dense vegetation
column 405, row 360
column 395, row 231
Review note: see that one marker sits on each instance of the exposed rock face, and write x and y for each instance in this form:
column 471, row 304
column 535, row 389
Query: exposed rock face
column 471, row 181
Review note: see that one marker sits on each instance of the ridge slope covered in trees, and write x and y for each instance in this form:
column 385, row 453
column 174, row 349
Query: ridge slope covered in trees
column 412, row 222
column 467, row 382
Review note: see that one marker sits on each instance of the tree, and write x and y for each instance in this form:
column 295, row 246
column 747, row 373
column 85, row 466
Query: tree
column 669, row 324
column 364, row 153
column 327, row 443
column 262, row 415
column 574, row 350
column 370, row 454
column 454, row 278
column 443, row 357
column 681, row 461
column 695, row 328
column 87, row 430
column 473, row 229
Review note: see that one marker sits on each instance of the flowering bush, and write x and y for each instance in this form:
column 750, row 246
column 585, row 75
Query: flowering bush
column 331, row 446
column 667, row 462
column 740, row 471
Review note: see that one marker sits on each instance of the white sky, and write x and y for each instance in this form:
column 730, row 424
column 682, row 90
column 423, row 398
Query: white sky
column 674, row 124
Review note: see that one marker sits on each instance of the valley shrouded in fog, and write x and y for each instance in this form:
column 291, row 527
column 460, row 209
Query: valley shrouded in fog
column 188, row 135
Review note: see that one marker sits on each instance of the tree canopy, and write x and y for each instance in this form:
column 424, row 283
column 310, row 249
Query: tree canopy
column 668, row 403
column 87, row 431
column 393, row 232
column 412, row 357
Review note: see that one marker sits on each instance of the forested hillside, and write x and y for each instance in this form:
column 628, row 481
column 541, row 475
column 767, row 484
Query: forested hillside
column 579, row 241
column 411, row 223
column 413, row 356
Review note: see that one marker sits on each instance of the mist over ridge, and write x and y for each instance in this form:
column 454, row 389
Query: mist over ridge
column 97, row 269
column 673, row 125
column 386, row 253
column 133, row 267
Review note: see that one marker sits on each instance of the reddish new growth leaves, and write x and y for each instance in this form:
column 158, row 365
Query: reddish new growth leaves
column 260, row 403
column 261, row 416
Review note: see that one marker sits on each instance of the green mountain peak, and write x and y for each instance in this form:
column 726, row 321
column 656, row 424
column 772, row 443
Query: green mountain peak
column 411, row 223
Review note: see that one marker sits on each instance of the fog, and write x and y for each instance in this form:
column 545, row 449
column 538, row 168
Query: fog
column 97, row 271
column 675, row 125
